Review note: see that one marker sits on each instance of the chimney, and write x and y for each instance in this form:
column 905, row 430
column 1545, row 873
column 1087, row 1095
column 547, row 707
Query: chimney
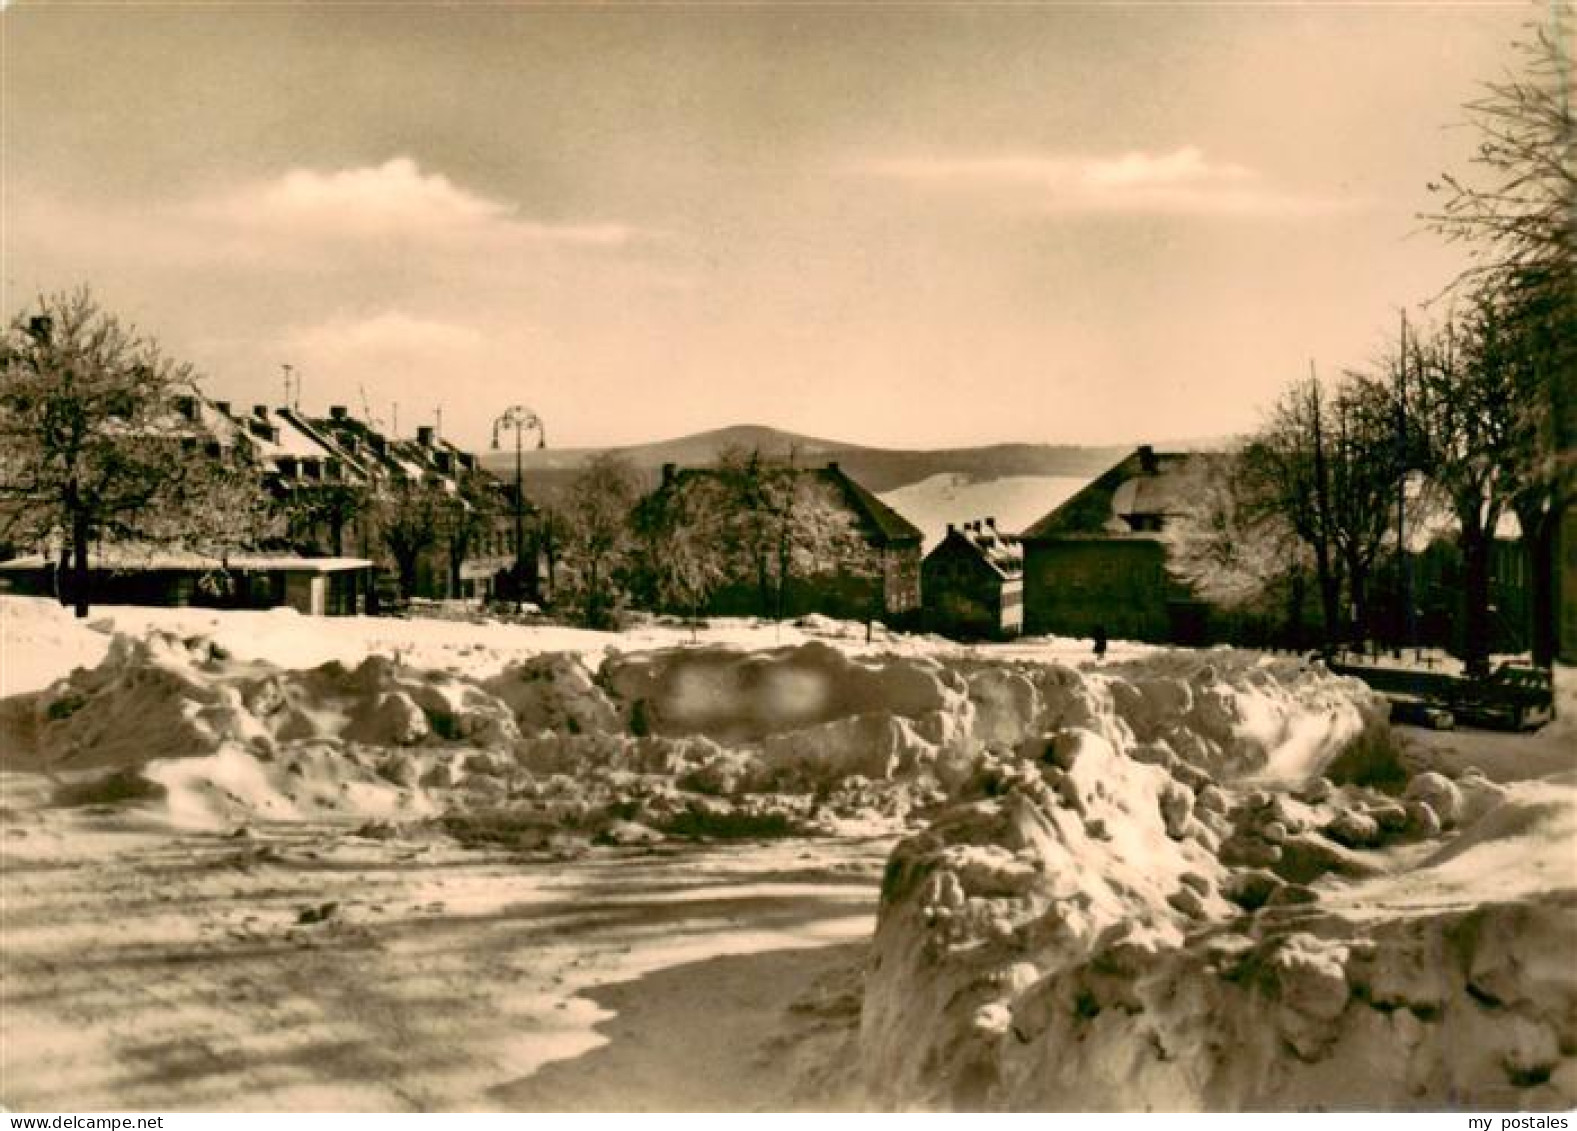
column 377, row 441
column 1147, row 461
column 951, row 529
column 260, row 411
column 337, row 412
column 670, row 471
column 424, row 435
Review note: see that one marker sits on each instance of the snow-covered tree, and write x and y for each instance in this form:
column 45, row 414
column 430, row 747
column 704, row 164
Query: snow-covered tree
column 782, row 522
column 94, row 446
column 599, row 537
column 683, row 535
column 1225, row 543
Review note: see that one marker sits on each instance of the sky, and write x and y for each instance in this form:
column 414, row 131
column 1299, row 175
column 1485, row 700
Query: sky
column 905, row 225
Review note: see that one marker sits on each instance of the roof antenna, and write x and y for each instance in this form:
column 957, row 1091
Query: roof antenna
column 289, row 372
column 366, row 407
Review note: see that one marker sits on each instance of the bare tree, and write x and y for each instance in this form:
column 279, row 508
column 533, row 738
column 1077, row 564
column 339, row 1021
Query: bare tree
column 1463, row 414
column 332, row 506
column 1517, row 210
column 1364, row 472
column 1538, row 345
column 1288, row 466
column 466, row 517
column 410, row 514
column 94, row 444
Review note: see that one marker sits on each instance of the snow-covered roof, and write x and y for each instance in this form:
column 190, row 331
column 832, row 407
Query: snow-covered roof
column 1126, row 501
column 132, row 559
column 1001, row 551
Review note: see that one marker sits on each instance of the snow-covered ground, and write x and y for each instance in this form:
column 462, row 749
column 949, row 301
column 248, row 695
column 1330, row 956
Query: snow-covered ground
column 257, row 859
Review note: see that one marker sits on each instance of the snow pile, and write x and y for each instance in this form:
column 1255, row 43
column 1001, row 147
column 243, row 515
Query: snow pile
column 702, row 740
column 38, row 641
column 691, row 740
column 1211, row 885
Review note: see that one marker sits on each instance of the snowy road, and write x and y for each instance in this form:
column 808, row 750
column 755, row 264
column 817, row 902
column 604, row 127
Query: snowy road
column 309, row 968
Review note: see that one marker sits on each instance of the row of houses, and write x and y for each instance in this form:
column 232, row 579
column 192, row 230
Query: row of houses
column 330, row 558
column 1096, row 565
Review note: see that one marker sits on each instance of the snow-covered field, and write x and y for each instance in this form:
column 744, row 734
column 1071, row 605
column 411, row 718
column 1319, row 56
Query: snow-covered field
column 261, row 860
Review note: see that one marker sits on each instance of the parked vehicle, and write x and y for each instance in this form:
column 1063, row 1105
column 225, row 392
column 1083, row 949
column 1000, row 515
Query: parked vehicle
column 1411, row 711
column 1513, row 696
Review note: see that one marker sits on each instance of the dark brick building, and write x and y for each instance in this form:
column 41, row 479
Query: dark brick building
column 973, row 583
column 1098, row 561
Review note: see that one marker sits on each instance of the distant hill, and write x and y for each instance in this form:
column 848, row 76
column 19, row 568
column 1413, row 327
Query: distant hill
column 881, row 470
column 700, row 448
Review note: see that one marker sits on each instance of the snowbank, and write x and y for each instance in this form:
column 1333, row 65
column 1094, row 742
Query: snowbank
column 606, row 742
column 1212, row 885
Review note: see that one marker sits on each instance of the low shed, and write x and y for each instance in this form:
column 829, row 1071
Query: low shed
column 314, row 586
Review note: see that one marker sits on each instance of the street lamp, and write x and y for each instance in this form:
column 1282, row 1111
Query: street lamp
column 522, row 420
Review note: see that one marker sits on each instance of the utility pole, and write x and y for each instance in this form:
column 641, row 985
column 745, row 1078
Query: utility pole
column 521, row 419
column 1404, row 562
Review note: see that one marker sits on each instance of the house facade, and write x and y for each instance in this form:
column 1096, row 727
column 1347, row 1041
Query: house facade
column 972, row 583
column 1098, row 561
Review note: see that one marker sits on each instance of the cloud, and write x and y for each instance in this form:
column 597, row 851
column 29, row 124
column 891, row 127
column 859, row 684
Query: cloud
column 377, row 224
column 388, row 333
column 1182, row 181
column 393, row 200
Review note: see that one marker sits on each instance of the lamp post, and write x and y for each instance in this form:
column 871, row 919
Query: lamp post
column 522, row 420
